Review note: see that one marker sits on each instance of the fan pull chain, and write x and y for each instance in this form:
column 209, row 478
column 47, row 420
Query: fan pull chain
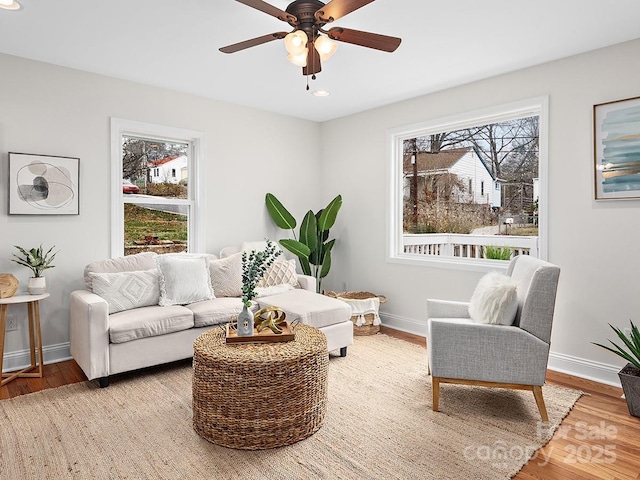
column 313, row 77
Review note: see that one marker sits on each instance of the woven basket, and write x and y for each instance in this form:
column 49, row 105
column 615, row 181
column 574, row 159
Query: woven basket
column 368, row 328
column 255, row 396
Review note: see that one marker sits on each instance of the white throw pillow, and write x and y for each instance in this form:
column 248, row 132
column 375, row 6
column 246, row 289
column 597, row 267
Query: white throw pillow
column 226, row 276
column 280, row 272
column 127, row 290
column 495, row 300
column 130, row 263
column 184, row 279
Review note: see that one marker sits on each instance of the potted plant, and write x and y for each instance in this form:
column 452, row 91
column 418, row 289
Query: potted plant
column 312, row 247
column 630, row 374
column 38, row 262
column 254, row 266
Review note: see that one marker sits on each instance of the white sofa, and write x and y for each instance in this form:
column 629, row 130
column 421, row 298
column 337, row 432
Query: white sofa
column 105, row 344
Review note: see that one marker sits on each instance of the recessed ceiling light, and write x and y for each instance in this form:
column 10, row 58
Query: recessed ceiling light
column 9, row 5
column 321, row 93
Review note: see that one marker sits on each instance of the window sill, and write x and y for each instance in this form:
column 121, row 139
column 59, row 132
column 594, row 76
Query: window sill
column 450, row 263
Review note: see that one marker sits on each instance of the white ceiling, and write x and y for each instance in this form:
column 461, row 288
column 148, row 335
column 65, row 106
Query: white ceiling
column 174, row 44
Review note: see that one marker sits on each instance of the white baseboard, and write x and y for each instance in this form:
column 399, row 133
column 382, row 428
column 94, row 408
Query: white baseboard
column 584, row 368
column 404, row 324
column 578, row 367
column 22, row 358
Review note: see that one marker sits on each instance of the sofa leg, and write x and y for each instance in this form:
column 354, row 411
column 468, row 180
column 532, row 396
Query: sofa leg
column 103, row 382
column 343, row 352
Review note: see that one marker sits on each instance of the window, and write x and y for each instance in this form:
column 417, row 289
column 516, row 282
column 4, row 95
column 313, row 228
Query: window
column 440, row 210
column 152, row 210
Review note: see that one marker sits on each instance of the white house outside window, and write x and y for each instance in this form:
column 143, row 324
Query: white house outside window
column 439, row 209
column 152, row 209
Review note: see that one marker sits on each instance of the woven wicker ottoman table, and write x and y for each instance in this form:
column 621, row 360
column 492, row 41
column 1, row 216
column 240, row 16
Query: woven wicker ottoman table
column 258, row 396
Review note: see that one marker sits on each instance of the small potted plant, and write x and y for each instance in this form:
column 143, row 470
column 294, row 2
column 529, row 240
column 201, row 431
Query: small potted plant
column 38, row 262
column 630, row 374
column 254, row 266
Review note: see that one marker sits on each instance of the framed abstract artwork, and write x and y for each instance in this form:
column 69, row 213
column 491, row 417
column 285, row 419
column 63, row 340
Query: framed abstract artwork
column 43, row 184
column 616, row 137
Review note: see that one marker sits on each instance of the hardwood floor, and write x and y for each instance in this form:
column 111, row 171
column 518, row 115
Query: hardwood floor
column 597, row 440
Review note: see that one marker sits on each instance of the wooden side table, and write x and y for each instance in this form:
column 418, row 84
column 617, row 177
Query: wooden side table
column 35, row 335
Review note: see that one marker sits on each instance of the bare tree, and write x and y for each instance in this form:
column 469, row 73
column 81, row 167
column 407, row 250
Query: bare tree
column 506, row 143
column 137, row 153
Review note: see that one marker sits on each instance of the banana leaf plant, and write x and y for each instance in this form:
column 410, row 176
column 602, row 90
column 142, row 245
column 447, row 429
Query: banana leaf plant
column 312, row 245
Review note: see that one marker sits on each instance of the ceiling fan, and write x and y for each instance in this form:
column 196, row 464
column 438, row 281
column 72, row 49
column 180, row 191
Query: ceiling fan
column 308, row 44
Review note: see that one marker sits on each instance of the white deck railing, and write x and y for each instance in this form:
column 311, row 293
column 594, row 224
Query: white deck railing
column 467, row 246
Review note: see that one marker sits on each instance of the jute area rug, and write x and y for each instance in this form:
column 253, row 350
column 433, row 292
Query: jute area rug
column 379, row 425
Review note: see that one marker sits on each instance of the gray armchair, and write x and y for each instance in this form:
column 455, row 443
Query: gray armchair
column 465, row 352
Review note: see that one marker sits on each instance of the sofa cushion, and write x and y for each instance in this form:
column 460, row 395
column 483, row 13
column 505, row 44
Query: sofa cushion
column 183, row 279
column 494, row 300
column 280, row 272
column 127, row 290
column 148, row 322
column 130, row 263
column 309, row 307
column 214, row 312
column 226, row 276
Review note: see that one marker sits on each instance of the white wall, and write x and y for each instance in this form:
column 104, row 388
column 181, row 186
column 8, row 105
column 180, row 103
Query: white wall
column 52, row 110
column 57, row 111
column 595, row 243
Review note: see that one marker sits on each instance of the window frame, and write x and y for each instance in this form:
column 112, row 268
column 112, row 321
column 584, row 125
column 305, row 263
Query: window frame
column 394, row 242
column 122, row 127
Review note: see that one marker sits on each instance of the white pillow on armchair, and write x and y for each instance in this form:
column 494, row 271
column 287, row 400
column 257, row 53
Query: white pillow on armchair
column 495, row 300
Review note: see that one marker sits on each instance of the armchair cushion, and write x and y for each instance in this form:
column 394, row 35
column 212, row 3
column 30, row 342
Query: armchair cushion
column 495, row 300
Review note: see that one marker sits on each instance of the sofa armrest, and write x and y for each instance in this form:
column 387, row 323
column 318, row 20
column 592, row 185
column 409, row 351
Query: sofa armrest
column 307, row 282
column 447, row 309
column 89, row 333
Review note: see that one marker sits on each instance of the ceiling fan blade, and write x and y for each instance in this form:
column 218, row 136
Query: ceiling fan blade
column 364, row 39
column 269, row 9
column 339, row 8
column 236, row 47
column 313, row 61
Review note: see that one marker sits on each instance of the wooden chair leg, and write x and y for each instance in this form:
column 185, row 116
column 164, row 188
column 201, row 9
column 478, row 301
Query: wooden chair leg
column 537, row 392
column 435, row 388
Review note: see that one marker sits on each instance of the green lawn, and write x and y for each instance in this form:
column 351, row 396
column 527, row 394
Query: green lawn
column 140, row 222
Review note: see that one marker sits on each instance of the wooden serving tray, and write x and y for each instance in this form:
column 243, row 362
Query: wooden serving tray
column 265, row 336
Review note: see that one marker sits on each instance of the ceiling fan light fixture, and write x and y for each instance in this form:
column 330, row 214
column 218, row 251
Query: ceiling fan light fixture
column 325, row 47
column 299, row 60
column 9, row 5
column 296, row 42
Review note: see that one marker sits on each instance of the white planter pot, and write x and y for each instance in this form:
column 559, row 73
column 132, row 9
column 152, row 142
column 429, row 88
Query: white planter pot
column 37, row 285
